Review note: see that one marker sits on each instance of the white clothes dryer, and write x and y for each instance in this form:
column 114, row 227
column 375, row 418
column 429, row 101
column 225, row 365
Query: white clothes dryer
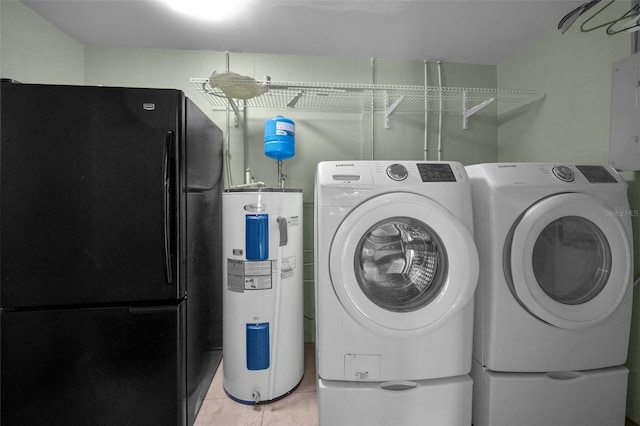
column 396, row 270
column 555, row 249
column 553, row 304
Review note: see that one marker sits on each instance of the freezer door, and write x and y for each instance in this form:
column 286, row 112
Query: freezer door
column 89, row 195
column 108, row 367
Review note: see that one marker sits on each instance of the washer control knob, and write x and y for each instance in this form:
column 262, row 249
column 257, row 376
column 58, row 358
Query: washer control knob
column 563, row 173
column 397, row 172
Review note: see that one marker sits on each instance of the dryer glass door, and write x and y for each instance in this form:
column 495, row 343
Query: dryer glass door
column 401, row 264
column 572, row 260
column 568, row 260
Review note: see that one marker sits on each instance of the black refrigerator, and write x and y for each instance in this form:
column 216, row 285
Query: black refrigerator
column 110, row 255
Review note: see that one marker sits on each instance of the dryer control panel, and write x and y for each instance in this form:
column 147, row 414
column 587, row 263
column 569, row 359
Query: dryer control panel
column 571, row 175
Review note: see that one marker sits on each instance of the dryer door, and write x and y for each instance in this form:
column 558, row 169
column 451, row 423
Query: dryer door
column 402, row 263
column 569, row 260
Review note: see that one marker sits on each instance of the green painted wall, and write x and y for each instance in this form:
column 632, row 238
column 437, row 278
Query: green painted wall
column 571, row 124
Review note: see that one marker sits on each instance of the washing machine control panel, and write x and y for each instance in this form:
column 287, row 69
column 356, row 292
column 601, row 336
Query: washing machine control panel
column 436, row 172
column 397, row 172
column 416, row 172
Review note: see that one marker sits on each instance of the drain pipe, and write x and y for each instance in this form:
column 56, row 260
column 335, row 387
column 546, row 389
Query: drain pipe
column 440, row 111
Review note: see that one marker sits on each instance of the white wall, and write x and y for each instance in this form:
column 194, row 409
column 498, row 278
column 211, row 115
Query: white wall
column 34, row 51
column 574, row 71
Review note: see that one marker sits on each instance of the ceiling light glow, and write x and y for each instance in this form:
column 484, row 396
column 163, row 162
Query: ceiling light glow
column 210, row 10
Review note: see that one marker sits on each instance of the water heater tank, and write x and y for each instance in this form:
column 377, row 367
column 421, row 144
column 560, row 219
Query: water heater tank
column 262, row 300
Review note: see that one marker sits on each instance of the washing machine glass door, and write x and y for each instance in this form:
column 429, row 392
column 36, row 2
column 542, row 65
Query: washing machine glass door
column 569, row 260
column 401, row 263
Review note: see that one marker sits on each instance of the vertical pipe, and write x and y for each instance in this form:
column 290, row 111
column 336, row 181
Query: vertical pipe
column 440, row 111
column 245, row 137
column 426, row 113
column 373, row 81
column 280, row 175
column 228, row 148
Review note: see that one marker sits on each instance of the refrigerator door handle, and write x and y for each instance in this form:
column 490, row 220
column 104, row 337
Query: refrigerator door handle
column 166, row 171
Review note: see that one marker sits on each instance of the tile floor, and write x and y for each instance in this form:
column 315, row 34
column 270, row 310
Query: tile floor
column 300, row 408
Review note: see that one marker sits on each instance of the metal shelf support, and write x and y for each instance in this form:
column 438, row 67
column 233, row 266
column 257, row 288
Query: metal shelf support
column 468, row 112
column 388, row 109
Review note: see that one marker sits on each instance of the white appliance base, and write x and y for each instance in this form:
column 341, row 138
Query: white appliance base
column 567, row 398
column 435, row 402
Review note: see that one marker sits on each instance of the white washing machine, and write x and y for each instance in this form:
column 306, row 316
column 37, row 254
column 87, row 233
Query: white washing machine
column 396, row 270
column 554, row 293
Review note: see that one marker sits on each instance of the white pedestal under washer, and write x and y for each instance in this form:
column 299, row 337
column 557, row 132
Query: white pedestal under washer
column 396, row 269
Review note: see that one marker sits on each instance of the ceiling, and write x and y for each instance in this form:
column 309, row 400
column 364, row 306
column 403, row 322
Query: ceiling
column 472, row 31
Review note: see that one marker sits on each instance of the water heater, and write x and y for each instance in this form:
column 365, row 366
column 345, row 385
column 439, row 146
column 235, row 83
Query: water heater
column 263, row 350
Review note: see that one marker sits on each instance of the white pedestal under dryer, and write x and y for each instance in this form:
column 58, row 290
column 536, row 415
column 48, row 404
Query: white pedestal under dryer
column 396, row 270
column 553, row 305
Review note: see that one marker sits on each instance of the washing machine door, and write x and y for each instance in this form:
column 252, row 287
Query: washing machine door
column 401, row 264
column 568, row 260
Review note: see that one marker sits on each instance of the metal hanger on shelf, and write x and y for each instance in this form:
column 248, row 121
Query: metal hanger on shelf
column 568, row 20
column 629, row 26
column 609, row 24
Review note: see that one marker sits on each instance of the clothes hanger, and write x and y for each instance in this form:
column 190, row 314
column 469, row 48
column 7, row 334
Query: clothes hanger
column 609, row 24
column 629, row 26
column 571, row 17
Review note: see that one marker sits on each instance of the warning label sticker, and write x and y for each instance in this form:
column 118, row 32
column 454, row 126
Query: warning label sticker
column 248, row 275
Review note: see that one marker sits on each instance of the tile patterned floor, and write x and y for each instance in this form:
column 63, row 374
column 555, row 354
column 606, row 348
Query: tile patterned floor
column 299, row 408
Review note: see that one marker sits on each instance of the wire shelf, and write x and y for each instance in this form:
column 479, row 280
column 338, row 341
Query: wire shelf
column 366, row 97
column 342, row 97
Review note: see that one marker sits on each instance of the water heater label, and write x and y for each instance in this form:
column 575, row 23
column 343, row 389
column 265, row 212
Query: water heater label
column 293, row 221
column 247, row 275
column 288, row 266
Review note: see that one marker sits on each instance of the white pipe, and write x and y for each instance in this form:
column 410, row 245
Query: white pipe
column 228, row 149
column 372, row 112
column 250, row 185
column 426, row 113
column 440, row 111
column 273, row 368
column 245, row 137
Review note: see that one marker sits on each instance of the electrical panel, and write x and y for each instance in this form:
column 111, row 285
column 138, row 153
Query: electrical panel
column 624, row 134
